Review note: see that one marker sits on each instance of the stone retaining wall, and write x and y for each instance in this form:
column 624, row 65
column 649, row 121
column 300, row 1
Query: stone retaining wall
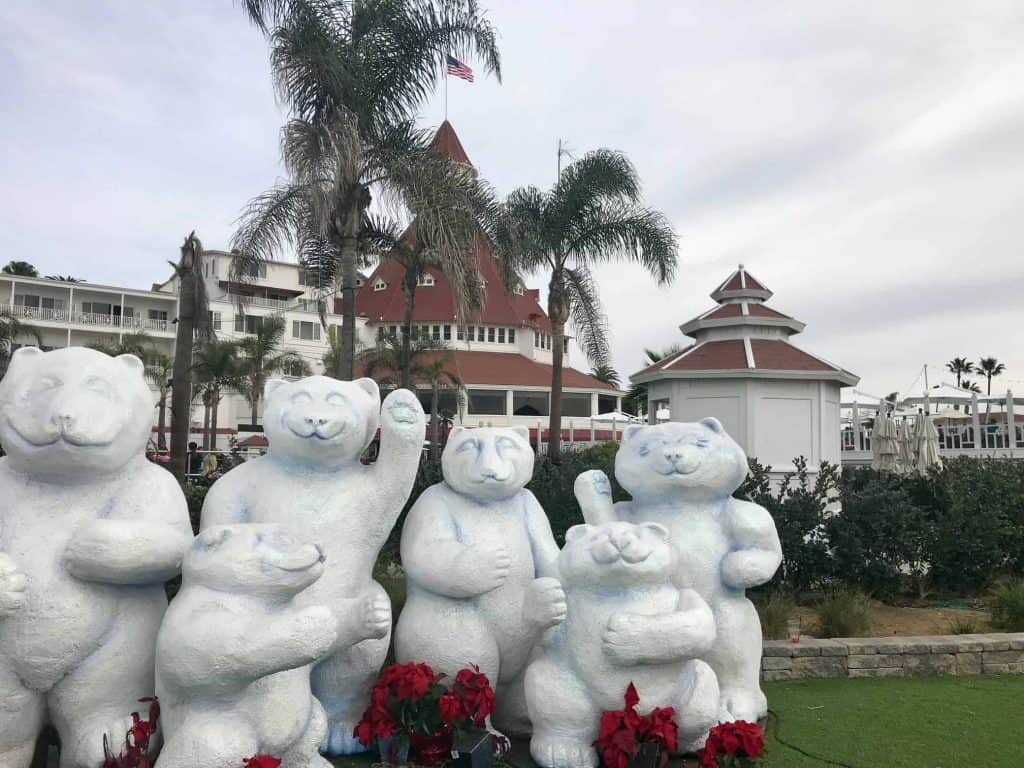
column 993, row 654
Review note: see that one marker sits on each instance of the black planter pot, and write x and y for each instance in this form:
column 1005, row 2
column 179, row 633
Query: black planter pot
column 646, row 756
column 473, row 749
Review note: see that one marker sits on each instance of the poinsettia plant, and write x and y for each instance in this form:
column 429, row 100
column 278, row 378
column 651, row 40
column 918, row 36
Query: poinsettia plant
column 738, row 744
column 135, row 753
column 411, row 701
column 624, row 730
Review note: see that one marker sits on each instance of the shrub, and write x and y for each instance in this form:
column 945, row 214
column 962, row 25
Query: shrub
column 842, row 613
column 799, row 508
column 774, row 609
column 195, row 495
column 963, row 625
column 1007, row 605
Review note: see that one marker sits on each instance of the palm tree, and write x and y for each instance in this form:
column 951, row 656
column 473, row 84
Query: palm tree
column 971, row 386
column 65, row 278
column 435, row 374
column 960, row 366
column 989, row 367
column 352, row 76
column 193, row 324
column 138, row 343
column 262, row 357
column 606, row 373
column 215, row 368
column 592, row 215
column 20, row 268
column 12, row 329
column 635, row 400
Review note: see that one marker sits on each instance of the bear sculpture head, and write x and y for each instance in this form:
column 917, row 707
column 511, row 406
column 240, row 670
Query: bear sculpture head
column 252, row 559
column 692, row 461
column 74, row 412
column 488, row 463
column 320, row 421
column 616, row 555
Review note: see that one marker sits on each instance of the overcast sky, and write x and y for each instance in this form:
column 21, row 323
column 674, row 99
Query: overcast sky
column 864, row 160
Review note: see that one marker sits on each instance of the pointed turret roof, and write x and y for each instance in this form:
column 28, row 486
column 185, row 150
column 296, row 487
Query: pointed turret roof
column 741, row 285
column 446, row 143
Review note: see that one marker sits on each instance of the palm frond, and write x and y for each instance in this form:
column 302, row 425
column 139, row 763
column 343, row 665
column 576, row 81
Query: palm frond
column 599, row 177
column 587, row 316
column 267, row 225
column 613, row 233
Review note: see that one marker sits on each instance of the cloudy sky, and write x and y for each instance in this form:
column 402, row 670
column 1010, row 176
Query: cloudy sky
column 865, row 160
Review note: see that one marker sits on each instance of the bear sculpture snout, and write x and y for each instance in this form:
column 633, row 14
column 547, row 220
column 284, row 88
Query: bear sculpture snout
column 619, row 545
column 684, row 459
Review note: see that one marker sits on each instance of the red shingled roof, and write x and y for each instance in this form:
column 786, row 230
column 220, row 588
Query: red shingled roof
column 726, row 310
column 508, row 369
column 712, row 356
column 446, row 143
column 730, row 355
column 760, row 310
column 776, row 355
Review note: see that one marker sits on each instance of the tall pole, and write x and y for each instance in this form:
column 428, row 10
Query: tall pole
column 446, row 92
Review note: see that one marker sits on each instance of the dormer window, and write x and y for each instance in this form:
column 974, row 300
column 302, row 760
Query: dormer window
column 360, row 282
column 519, row 290
column 380, row 285
column 425, row 280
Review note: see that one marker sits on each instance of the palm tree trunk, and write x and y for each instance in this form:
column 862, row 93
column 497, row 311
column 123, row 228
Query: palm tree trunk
column 405, row 363
column 214, row 408
column 988, row 390
column 349, row 256
column 255, row 400
column 435, row 433
column 555, row 422
column 181, row 392
column 161, row 421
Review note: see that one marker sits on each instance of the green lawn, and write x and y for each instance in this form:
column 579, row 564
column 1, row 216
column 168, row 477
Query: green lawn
column 934, row 722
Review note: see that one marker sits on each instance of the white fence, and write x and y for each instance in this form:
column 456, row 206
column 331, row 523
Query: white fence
column 70, row 317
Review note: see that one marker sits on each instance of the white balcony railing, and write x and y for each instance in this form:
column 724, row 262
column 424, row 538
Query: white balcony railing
column 70, row 317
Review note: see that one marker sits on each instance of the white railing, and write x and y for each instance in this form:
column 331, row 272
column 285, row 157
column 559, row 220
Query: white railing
column 44, row 314
column 954, row 440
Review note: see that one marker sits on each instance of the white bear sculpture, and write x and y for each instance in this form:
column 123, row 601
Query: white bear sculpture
column 312, row 480
column 89, row 532
column 683, row 475
column 234, row 652
column 626, row 623
column 479, row 556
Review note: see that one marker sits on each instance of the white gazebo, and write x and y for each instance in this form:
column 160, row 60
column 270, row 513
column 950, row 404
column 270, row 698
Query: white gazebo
column 778, row 401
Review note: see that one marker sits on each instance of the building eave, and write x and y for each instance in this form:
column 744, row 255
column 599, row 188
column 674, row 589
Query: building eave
column 698, row 324
column 845, row 378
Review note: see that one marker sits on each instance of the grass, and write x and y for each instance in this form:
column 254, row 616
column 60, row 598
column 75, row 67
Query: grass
column 1007, row 605
column 931, row 722
column 842, row 613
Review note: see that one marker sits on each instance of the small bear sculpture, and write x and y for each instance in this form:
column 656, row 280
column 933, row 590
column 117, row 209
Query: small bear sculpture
column 683, row 475
column 89, row 533
column 235, row 650
column 312, row 481
column 626, row 623
column 479, row 557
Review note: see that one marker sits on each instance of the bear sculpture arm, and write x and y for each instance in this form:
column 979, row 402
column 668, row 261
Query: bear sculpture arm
column 142, row 540
column 687, row 632
column 757, row 552
column 220, row 649
column 403, row 428
column 593, row 493
column 225, row 502
column 542, row 539
column 437, row 561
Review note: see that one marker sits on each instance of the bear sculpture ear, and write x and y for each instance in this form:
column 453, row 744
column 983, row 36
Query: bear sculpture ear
column 713, row 424
column 632, row 431
column 212, row 538
column 369, row 386
column 24, row 356
column 132, row 362
column 523, row 432
column 657, row 529
column 271, row 386
column 577, row 531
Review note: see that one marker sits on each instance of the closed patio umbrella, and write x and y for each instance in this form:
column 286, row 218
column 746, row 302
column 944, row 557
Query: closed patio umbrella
column 926, row 445
column 906, row 448
column 884, row 443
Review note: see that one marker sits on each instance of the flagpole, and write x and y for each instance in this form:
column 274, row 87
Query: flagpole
column 446, row 92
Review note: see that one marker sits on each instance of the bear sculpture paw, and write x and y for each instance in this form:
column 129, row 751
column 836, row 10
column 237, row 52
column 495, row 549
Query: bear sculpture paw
column 559, row 751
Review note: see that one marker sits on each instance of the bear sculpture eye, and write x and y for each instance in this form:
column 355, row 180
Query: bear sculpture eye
column 506, row 443
column 335, row 398
column 469, row 445
column 97, row 385
column 702, row 443
column 45, row 385
column 301, row 397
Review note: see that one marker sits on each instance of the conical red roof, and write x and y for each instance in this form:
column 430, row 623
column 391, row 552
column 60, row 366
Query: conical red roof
column 446, row 143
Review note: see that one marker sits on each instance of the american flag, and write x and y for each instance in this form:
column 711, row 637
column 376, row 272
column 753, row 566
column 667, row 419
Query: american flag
column 457, row 68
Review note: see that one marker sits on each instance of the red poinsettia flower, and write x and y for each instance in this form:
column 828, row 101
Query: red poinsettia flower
column 450, row 708
column 623, row 730
column 261, row 761
column 736, row 739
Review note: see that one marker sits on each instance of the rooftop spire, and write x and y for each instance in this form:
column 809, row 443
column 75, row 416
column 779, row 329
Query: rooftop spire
column 741, row 285
column 446, row 143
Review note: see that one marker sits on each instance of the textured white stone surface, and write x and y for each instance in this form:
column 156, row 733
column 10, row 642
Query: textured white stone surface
column 235, row 651
column 89, row 532
column 479, row 558
column 683, row 475
column 311, row 480
column 626, row 623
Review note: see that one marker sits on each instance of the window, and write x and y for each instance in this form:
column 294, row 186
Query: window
column 393, row 331
column 38, row 302
column 248, row 323
column 360, row 282
column 518, row 290
column 157, row 314
column 309, row 277
column 460, row 333
column 425, row 280
column 536, row 340
column 565, row 344
column 214, row 320
column 486, row 402
column 530, row 403
column 447, row 333
column 305, row 329
column 379, row 285
column 501, row 335
column 576, row 404
column 97, row 308
column 255, row 270
column 511, row 335
column 490, row 334
column 606, row 403
column 437, row 333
